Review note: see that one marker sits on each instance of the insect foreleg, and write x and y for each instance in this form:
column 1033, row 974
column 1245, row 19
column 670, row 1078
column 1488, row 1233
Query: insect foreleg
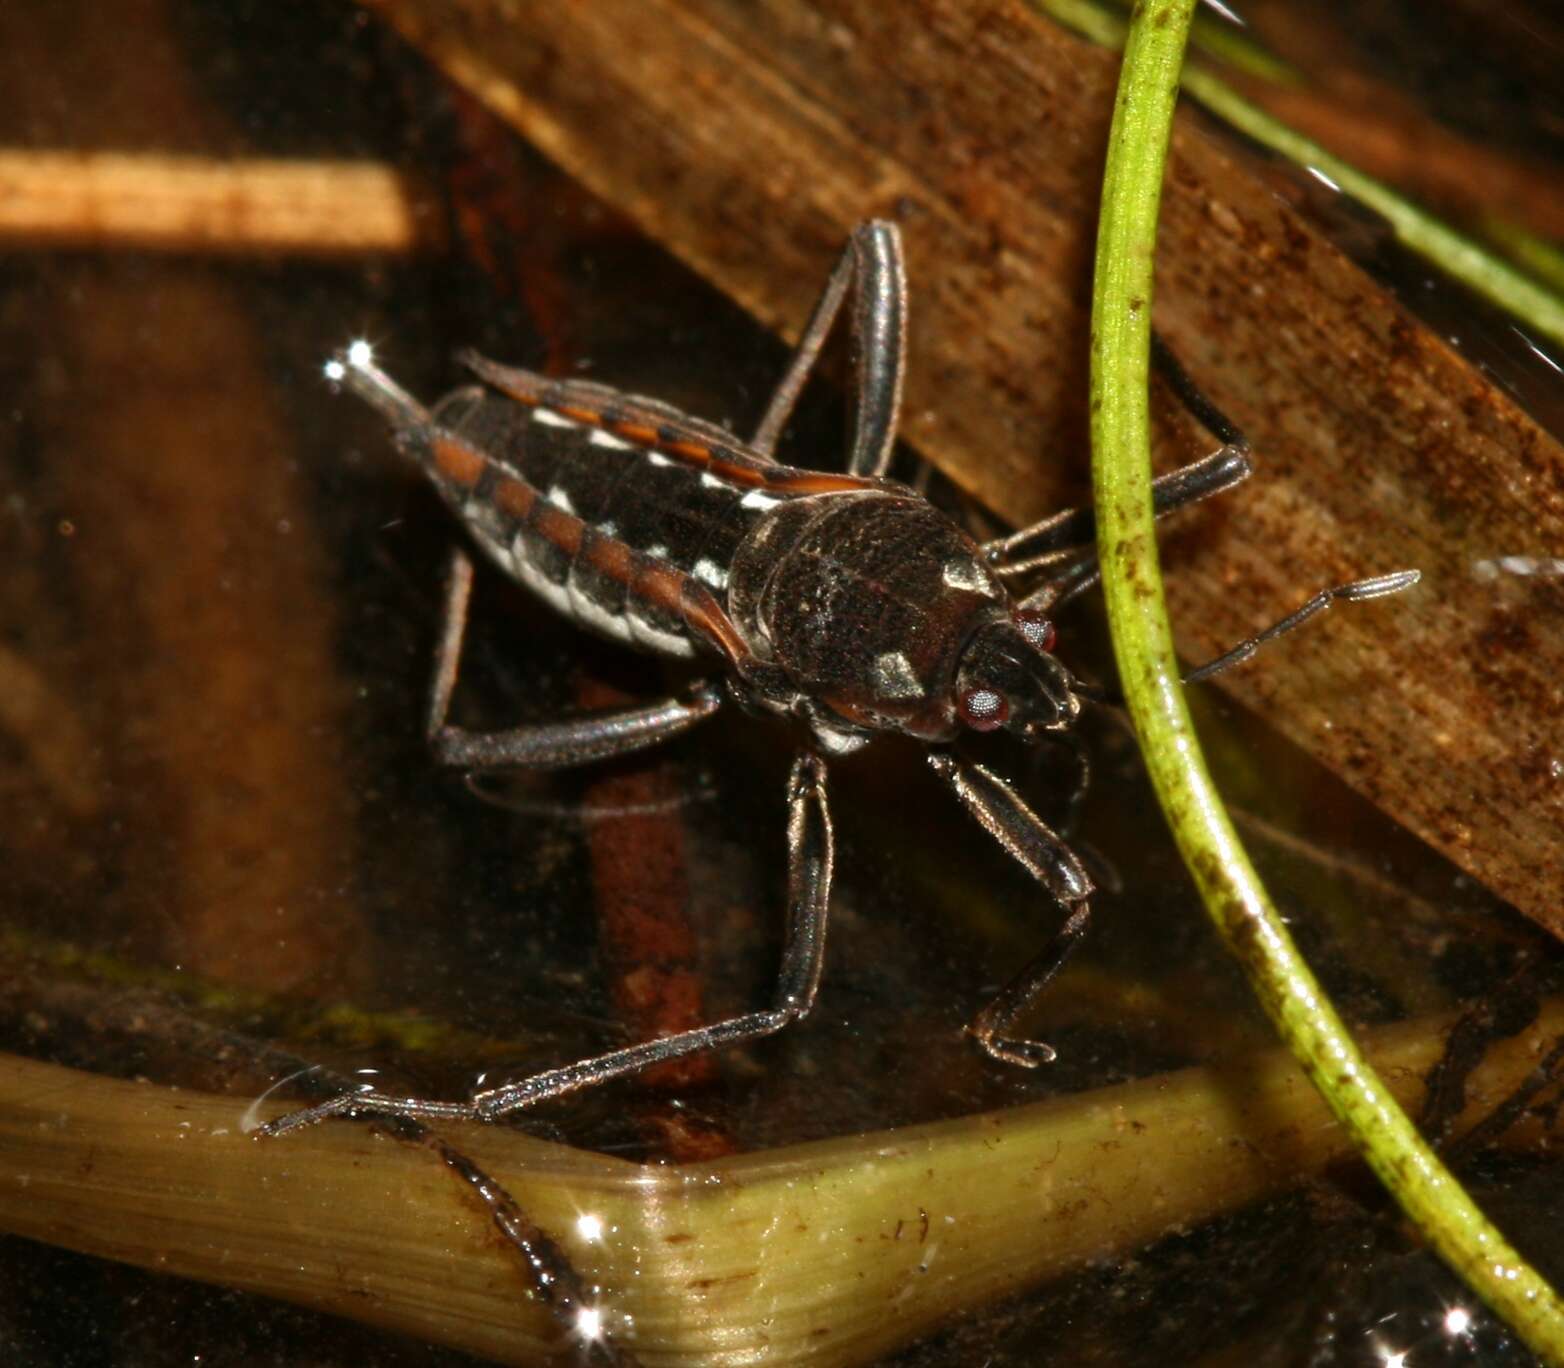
column 544, row 745
column 1001, row 811
column 871, row 263
column 1068, row 584
column 1072, row 533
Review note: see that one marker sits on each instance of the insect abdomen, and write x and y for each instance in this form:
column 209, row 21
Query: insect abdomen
column 614, row 535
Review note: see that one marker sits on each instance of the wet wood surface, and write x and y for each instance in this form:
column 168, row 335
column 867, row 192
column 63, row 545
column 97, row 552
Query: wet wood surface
column 748, row 137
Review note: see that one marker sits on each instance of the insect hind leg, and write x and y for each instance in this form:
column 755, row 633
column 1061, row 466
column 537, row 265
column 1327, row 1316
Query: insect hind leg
column 871, row 264
column 579, row 740
column 810, row 858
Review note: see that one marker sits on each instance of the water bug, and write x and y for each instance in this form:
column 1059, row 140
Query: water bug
column 846, row 602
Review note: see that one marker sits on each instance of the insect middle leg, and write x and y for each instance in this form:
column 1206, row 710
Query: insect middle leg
column 810, row 855
column 590, row 736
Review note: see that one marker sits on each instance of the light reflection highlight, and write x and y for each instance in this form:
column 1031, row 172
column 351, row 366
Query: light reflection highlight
column 1323, row 179
column 360, row 355
column 589, row 1324
column 1232, row 16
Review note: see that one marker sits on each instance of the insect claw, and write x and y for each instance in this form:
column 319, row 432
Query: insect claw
column 1024, row 1054
column 1379, row 585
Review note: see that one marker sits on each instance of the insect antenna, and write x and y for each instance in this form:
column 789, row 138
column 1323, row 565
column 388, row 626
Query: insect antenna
column 1355, row 592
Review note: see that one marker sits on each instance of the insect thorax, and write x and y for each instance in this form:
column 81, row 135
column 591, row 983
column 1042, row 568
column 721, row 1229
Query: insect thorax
column 864, row 602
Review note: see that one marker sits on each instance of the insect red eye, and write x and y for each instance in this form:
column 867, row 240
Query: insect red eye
column 1037, row 629
column 984, row 709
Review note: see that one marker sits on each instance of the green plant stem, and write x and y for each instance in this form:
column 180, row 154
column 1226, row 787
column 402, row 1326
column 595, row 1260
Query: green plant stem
column 1541, row 259
column 1143, row 648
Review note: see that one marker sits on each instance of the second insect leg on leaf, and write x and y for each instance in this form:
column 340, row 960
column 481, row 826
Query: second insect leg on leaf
column 575, row 740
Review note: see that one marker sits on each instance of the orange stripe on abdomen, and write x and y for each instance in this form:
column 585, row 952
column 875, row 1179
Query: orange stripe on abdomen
column 557, row 527
column 610, row 557
column 654, row 582
column 665, row 435
column 457, row 462
column 514, row 497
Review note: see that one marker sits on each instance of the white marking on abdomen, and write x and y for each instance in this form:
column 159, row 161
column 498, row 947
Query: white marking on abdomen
column 758, row 498
column 590, row 613
column 551, row 419
column 560, row 496
column 573, row 602
column 482, row 516
column 607, row 439
column 655, row 638
column 522, row 566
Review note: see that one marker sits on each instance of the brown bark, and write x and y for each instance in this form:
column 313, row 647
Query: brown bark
column 1505, row 93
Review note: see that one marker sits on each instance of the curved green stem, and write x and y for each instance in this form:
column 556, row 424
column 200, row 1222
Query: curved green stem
column 1143, row 647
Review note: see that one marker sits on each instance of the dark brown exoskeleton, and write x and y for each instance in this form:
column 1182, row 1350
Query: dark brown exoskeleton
column 845, row 601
